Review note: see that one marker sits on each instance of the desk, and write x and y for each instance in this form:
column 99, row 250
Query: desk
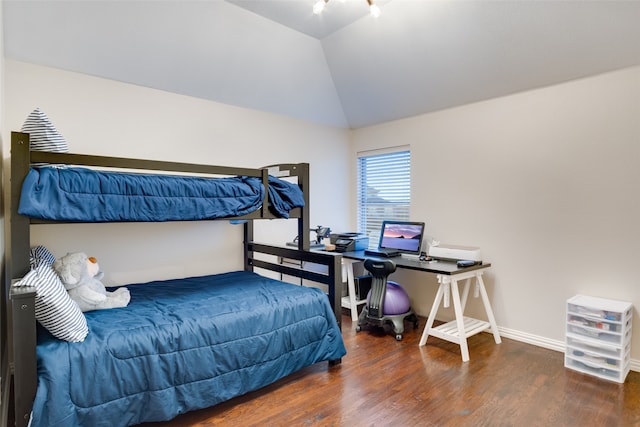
column 448, row 274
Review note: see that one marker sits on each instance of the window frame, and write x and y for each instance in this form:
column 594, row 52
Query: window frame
column 388, row 171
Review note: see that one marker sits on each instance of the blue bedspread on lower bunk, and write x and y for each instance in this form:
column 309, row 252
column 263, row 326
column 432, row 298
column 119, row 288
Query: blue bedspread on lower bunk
column 87, row 195
column 182, row 345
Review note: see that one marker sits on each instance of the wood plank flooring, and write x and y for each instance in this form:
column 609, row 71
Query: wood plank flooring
column 382, row 382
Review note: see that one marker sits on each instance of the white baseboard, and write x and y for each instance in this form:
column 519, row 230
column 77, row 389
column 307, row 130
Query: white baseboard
column 532, row 339
column 547, row 343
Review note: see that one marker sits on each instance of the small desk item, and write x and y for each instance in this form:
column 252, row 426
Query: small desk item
column 448, row 275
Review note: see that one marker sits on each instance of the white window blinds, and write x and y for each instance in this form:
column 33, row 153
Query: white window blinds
column 384, row 190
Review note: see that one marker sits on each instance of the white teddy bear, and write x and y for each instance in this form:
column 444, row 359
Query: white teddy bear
column 81, row 276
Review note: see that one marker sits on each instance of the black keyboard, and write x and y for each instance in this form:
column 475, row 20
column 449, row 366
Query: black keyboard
column 382, row 253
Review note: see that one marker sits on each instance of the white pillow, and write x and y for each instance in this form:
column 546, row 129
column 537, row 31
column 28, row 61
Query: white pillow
column 43, row 136
column 55, row 310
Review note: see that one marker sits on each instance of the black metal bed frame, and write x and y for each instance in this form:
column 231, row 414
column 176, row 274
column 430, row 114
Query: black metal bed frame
column 22, row 322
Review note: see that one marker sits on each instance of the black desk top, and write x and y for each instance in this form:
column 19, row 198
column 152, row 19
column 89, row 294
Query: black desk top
column 437, row 267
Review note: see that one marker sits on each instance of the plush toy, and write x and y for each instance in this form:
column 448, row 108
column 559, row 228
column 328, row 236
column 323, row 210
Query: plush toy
column 81, row 276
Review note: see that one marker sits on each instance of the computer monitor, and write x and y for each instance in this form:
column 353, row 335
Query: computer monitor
column 403, row 236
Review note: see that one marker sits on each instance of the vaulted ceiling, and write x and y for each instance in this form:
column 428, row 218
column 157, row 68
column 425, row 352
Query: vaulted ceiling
column 343, row 68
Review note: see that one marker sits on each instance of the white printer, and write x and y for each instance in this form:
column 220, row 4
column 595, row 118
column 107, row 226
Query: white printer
column 455, row 252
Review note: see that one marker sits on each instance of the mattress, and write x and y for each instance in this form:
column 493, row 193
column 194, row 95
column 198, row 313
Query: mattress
column 182, row 345
column 86, row 195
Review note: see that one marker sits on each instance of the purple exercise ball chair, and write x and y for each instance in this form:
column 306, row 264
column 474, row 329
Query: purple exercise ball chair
column 396, row 300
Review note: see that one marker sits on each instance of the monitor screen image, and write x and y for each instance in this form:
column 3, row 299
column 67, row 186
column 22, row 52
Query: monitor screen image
column 403, row 236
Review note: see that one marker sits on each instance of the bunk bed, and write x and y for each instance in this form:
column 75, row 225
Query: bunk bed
column 181, row 344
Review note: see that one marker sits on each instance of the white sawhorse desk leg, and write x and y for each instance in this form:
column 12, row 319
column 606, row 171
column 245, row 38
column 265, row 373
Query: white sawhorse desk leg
column 458, row 330
column 350, row 301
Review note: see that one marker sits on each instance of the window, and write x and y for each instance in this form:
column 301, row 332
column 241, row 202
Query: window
column 384, row 189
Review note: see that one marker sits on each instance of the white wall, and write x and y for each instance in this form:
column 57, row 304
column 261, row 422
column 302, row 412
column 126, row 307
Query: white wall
column 99, row 116
column 546, row 183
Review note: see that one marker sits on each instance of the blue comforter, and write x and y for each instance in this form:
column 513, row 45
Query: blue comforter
column 87, row 195
column 182, row 345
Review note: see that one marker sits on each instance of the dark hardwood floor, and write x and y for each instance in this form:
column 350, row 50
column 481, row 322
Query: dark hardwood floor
column 382, row 382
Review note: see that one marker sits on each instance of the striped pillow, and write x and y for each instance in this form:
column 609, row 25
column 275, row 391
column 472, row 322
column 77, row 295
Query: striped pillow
column 40, row 255
column 55, row 310
column 43, row 136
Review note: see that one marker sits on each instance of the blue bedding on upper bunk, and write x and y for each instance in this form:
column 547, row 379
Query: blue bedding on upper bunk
column 87, row 195
column 182, row 345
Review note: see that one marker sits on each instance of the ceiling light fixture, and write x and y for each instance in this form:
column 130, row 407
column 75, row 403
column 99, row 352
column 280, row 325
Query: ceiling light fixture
column 319, row 6
column 374, row 10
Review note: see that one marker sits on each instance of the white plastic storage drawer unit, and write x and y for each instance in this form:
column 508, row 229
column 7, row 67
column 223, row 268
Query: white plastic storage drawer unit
column 599, row 337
